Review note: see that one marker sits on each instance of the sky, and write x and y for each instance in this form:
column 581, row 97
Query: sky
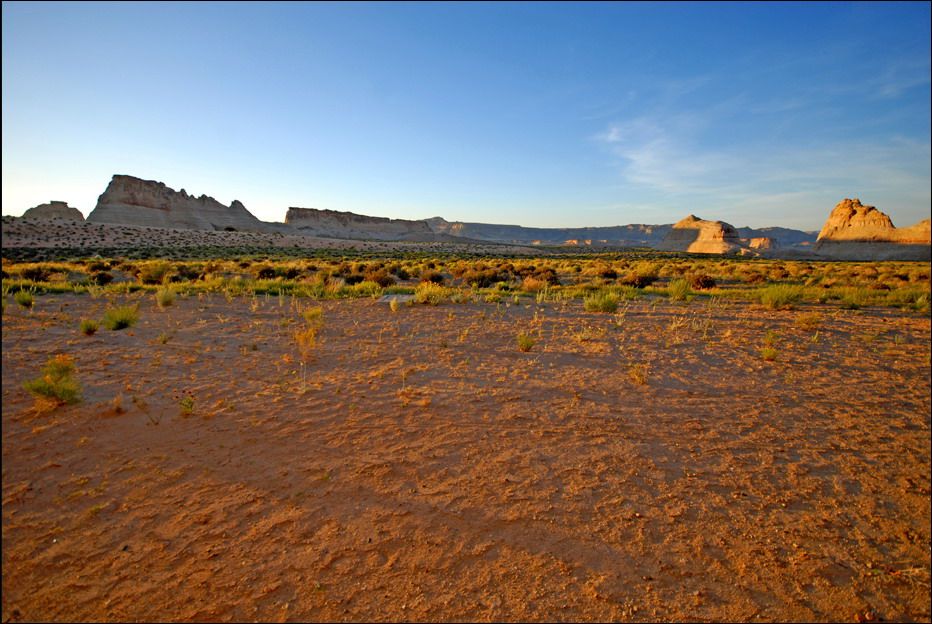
column 535, row 114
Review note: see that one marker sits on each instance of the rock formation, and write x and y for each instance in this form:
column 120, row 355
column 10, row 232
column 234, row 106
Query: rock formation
column 854, row 231
column 634, row 235
column 54, row 210
column 334, row 224
column 131, row 201
column 697, row 235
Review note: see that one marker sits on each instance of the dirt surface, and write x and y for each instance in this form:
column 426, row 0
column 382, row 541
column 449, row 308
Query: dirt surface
column 648, row 465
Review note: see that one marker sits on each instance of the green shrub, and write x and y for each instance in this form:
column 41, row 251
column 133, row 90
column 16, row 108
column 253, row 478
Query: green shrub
column 88, row 327
column 57, row 381
column 601, row 302
column 121, row 317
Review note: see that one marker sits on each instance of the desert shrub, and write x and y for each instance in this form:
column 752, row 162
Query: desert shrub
column 313, row 316
column 154, row 272
column 35, row 274
column 679, row 290
column 638, row 280
column 431, row 293
column 24, row 298
column 433, row 277
column 97, row 265
column 483, row 278
column 769, row 354
column 354, row 278
column 778, row 296
column 121, row 317
column 638, row 373
column 601, row 302
column 380, row 277
column 525, row 342
column 532, row 284
column 607, row 273
column 809, row 321
column 700, row 281
column 185, row 272
column 165, row 297
column 367, row 289
column 266, row 272
column 101, row 278
column 57, row 381
column 88, row 327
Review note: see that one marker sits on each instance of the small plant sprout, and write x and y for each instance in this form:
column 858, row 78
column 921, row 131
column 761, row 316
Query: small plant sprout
column 186, row 404
column 525, row 342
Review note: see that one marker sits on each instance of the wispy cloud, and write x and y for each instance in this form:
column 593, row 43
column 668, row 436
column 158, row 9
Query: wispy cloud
column 663, row 156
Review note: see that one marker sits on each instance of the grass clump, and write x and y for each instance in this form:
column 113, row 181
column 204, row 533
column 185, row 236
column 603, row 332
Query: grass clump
column 601, row 302
column 57, row 381
column 638, row 373
column 779, row 296
column 24, row 298
column 165, row 297
column 88, row 327
column 121, row 317
column 769, row 354
column 679, row 290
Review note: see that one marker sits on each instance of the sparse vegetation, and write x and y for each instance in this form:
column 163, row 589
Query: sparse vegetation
column 88, row 327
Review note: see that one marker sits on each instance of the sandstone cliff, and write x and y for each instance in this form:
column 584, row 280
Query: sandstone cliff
column 697, row 235
column 131, row 201
column 854, row 231
column 54, row 210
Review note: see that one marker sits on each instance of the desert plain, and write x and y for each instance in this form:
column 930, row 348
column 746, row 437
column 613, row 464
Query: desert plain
column 499, row 456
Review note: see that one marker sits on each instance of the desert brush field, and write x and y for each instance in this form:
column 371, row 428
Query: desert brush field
column 449, row 437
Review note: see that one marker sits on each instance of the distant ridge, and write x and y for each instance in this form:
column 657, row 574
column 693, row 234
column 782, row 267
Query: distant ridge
column 852, row 231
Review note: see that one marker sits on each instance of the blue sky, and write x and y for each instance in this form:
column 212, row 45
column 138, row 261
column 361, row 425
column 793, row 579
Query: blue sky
column 534, row 114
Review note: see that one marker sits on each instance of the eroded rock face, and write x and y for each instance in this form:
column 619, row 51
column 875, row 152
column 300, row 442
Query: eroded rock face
column 854, row 231
column 697, row 235
column 54, row 210
column 335, row 224
column 131, row 201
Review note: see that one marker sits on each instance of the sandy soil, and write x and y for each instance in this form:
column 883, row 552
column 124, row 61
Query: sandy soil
column 427, row 469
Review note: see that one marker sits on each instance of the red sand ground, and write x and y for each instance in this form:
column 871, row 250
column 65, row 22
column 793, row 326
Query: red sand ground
column 429, row 470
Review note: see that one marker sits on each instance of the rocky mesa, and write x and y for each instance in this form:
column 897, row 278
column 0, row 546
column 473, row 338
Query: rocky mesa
column 132, row 201
column 854, row 231
column 696, row 235
column 54, row 210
